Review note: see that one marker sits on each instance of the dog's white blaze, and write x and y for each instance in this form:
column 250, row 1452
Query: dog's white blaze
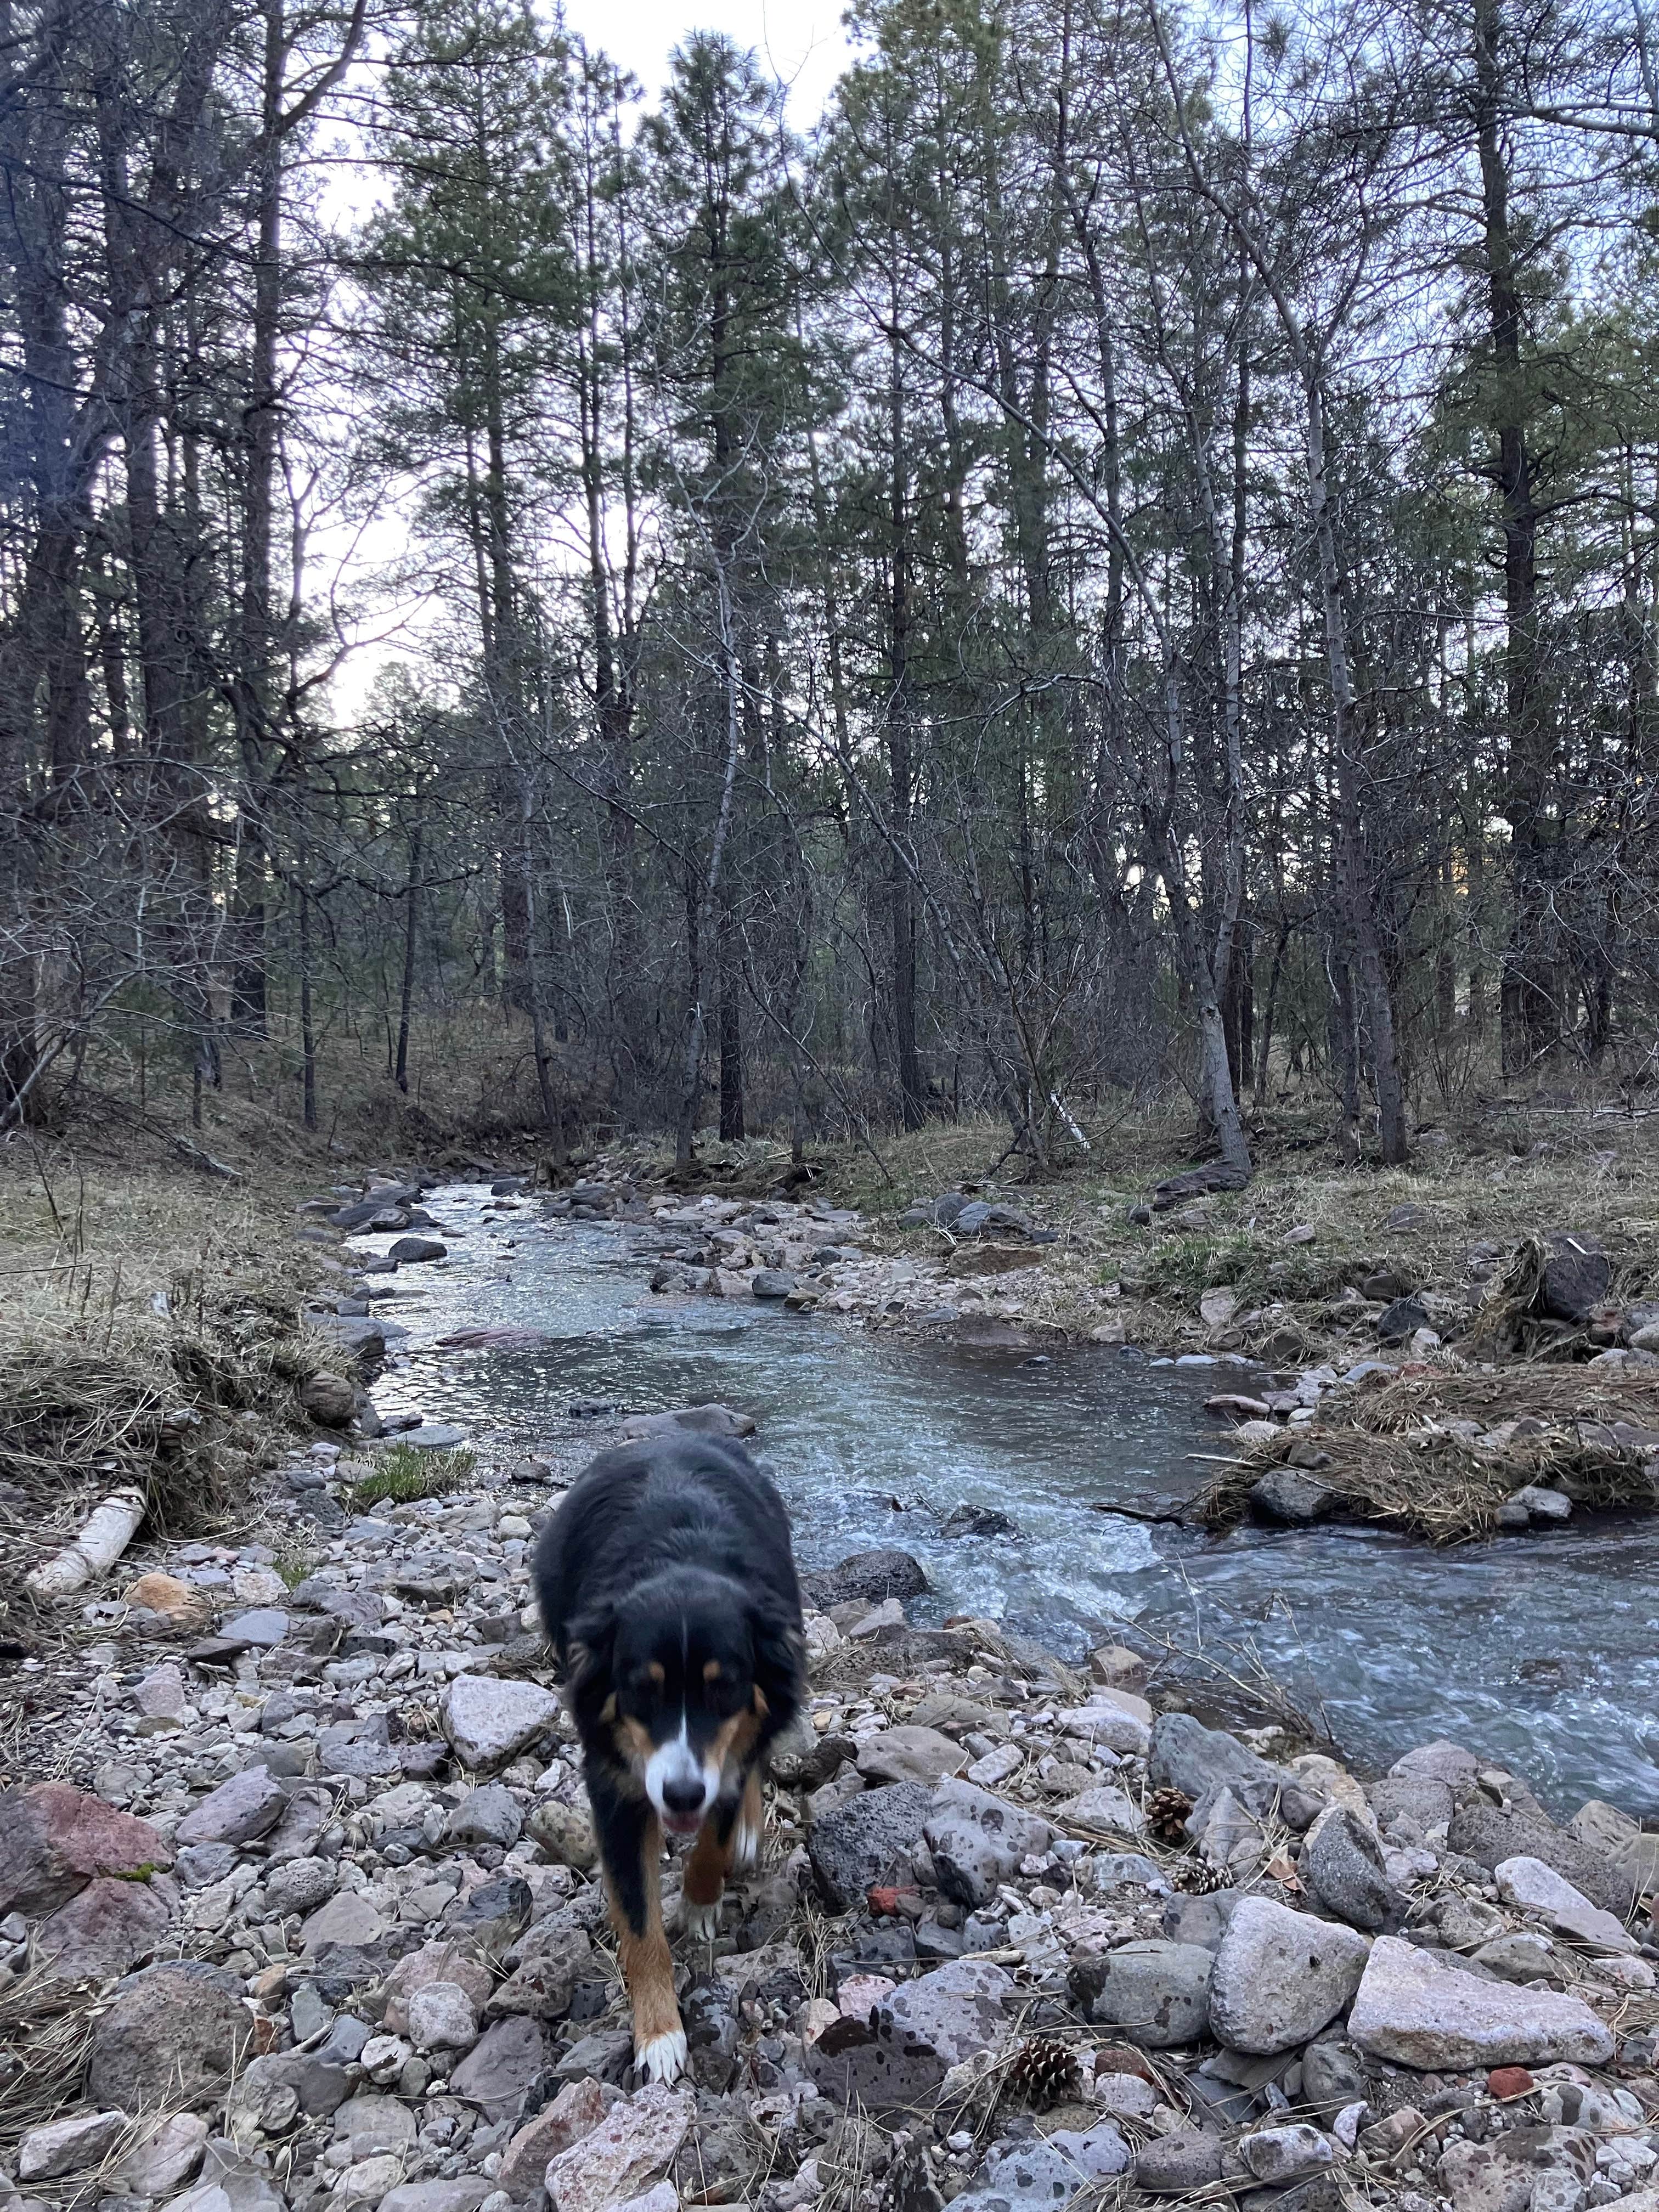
column 677, row 1763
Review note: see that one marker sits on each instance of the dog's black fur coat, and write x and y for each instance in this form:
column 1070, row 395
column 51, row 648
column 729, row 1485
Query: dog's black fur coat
column 668, row 1588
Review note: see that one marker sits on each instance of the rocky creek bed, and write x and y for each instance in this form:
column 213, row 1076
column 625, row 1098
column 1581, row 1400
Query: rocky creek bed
column 302, row 1912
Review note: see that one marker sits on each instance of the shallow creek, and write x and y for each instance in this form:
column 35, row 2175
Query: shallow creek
column 1541, row 1652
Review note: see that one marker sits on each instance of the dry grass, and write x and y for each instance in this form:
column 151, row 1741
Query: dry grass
column 151, row 1338
column 1395, row 1455
column 46, row 2028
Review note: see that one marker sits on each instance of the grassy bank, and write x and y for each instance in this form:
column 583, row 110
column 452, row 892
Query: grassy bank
column 1311, row 1250
column 150, row 1337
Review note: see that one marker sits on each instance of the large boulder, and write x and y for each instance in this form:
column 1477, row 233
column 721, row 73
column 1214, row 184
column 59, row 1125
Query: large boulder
column 1280, row 1975
column 176, row 2033
column 1489, row 1834
column 108, row 1929
column 54, row 1839
column 1415, row 2009
column 977, row 1840
column 866, row 1576
column 861, row 1843
column 1156, row 1993
column 1201, row 1762
column 1577, row 1275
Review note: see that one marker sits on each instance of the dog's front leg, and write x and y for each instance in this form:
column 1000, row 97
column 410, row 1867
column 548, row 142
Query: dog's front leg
column 729, row 1837
column 631, row 1843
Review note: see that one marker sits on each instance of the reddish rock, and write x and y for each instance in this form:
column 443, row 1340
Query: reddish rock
column 108, row 1929
column 1123, row 2058
column 884, row 1903
column 1504, row 2083
column 54, row 1839
column 574, row 2112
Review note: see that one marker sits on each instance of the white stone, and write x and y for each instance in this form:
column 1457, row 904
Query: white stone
column 441, row 2017
column 1415, row 2010
column 1282, row 2153
column 67, row 2146
column 489, row 1722
column 629, row 2151
column 1536, row 1888
column 1280, row 1975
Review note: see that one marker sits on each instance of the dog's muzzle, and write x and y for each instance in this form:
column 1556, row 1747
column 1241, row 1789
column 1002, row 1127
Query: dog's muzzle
column 680, row 1786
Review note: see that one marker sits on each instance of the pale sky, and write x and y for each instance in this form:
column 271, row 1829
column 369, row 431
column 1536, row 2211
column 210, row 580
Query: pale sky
column 800, row 42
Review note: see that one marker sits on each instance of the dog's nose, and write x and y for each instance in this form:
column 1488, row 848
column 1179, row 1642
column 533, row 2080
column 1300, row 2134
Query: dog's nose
column 684, row 1795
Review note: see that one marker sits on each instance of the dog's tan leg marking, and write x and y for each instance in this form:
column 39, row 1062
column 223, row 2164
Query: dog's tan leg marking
column 746, row 1835
column 706, row 1870
column 648, row 1971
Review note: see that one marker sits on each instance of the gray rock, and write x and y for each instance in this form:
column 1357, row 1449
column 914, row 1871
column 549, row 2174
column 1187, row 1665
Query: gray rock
column 866, row 1576
column 1345, row 1866
column 263, row 1626
column 1577, row 1275
column 1410, row 1805
column 1332, row 2076
column 1415, row 2009
column 200, row 1865
column 441, row 2017
column 503, row 2068
column 1400, row 1320
column 978, row 1841
column 861, row 1843
column 771, row 1283
column 301, row 1885
column 1157, row 1993
column 1174, row 2165
column 166, row 2155
column 1484, row 1833
column 1280, row 1975
column 411, row 1251
column 464, row 2194
column 1285, row 1495
column 1200, row 1761
column 237, row 1812
column 909, row 1753
column 1047, row 2172
column 172, row 2035
column 368, row 2124
column 490, row 1815
column 490, row 1722
column 349, row 1918
column 67, row 2146
column 957, row 2010
column 1282, row 2155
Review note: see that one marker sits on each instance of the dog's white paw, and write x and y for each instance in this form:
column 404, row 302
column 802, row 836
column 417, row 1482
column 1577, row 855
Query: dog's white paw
column 662, row 2059
column 702, row 1923
column 745, row 1847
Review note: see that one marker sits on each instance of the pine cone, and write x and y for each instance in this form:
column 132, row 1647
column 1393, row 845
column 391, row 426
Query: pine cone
column 1199, row 1879
column 1044, row 2073
column 1166, row 1815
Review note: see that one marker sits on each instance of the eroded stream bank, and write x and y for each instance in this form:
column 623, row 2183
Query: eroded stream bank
column 1541, row 1652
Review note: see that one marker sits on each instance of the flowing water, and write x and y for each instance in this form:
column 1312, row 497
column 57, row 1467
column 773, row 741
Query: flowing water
column 1539, row 1651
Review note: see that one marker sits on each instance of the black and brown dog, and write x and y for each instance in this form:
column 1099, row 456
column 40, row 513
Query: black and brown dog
column 667, row 1586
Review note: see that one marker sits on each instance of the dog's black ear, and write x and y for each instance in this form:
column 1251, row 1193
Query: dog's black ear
column 589, row 1653
column 780, row 1658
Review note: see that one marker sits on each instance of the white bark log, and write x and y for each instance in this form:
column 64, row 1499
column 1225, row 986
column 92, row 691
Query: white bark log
column 110, row 1528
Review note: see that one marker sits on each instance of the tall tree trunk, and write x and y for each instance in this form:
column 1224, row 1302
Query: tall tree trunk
column 1530, row 1012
